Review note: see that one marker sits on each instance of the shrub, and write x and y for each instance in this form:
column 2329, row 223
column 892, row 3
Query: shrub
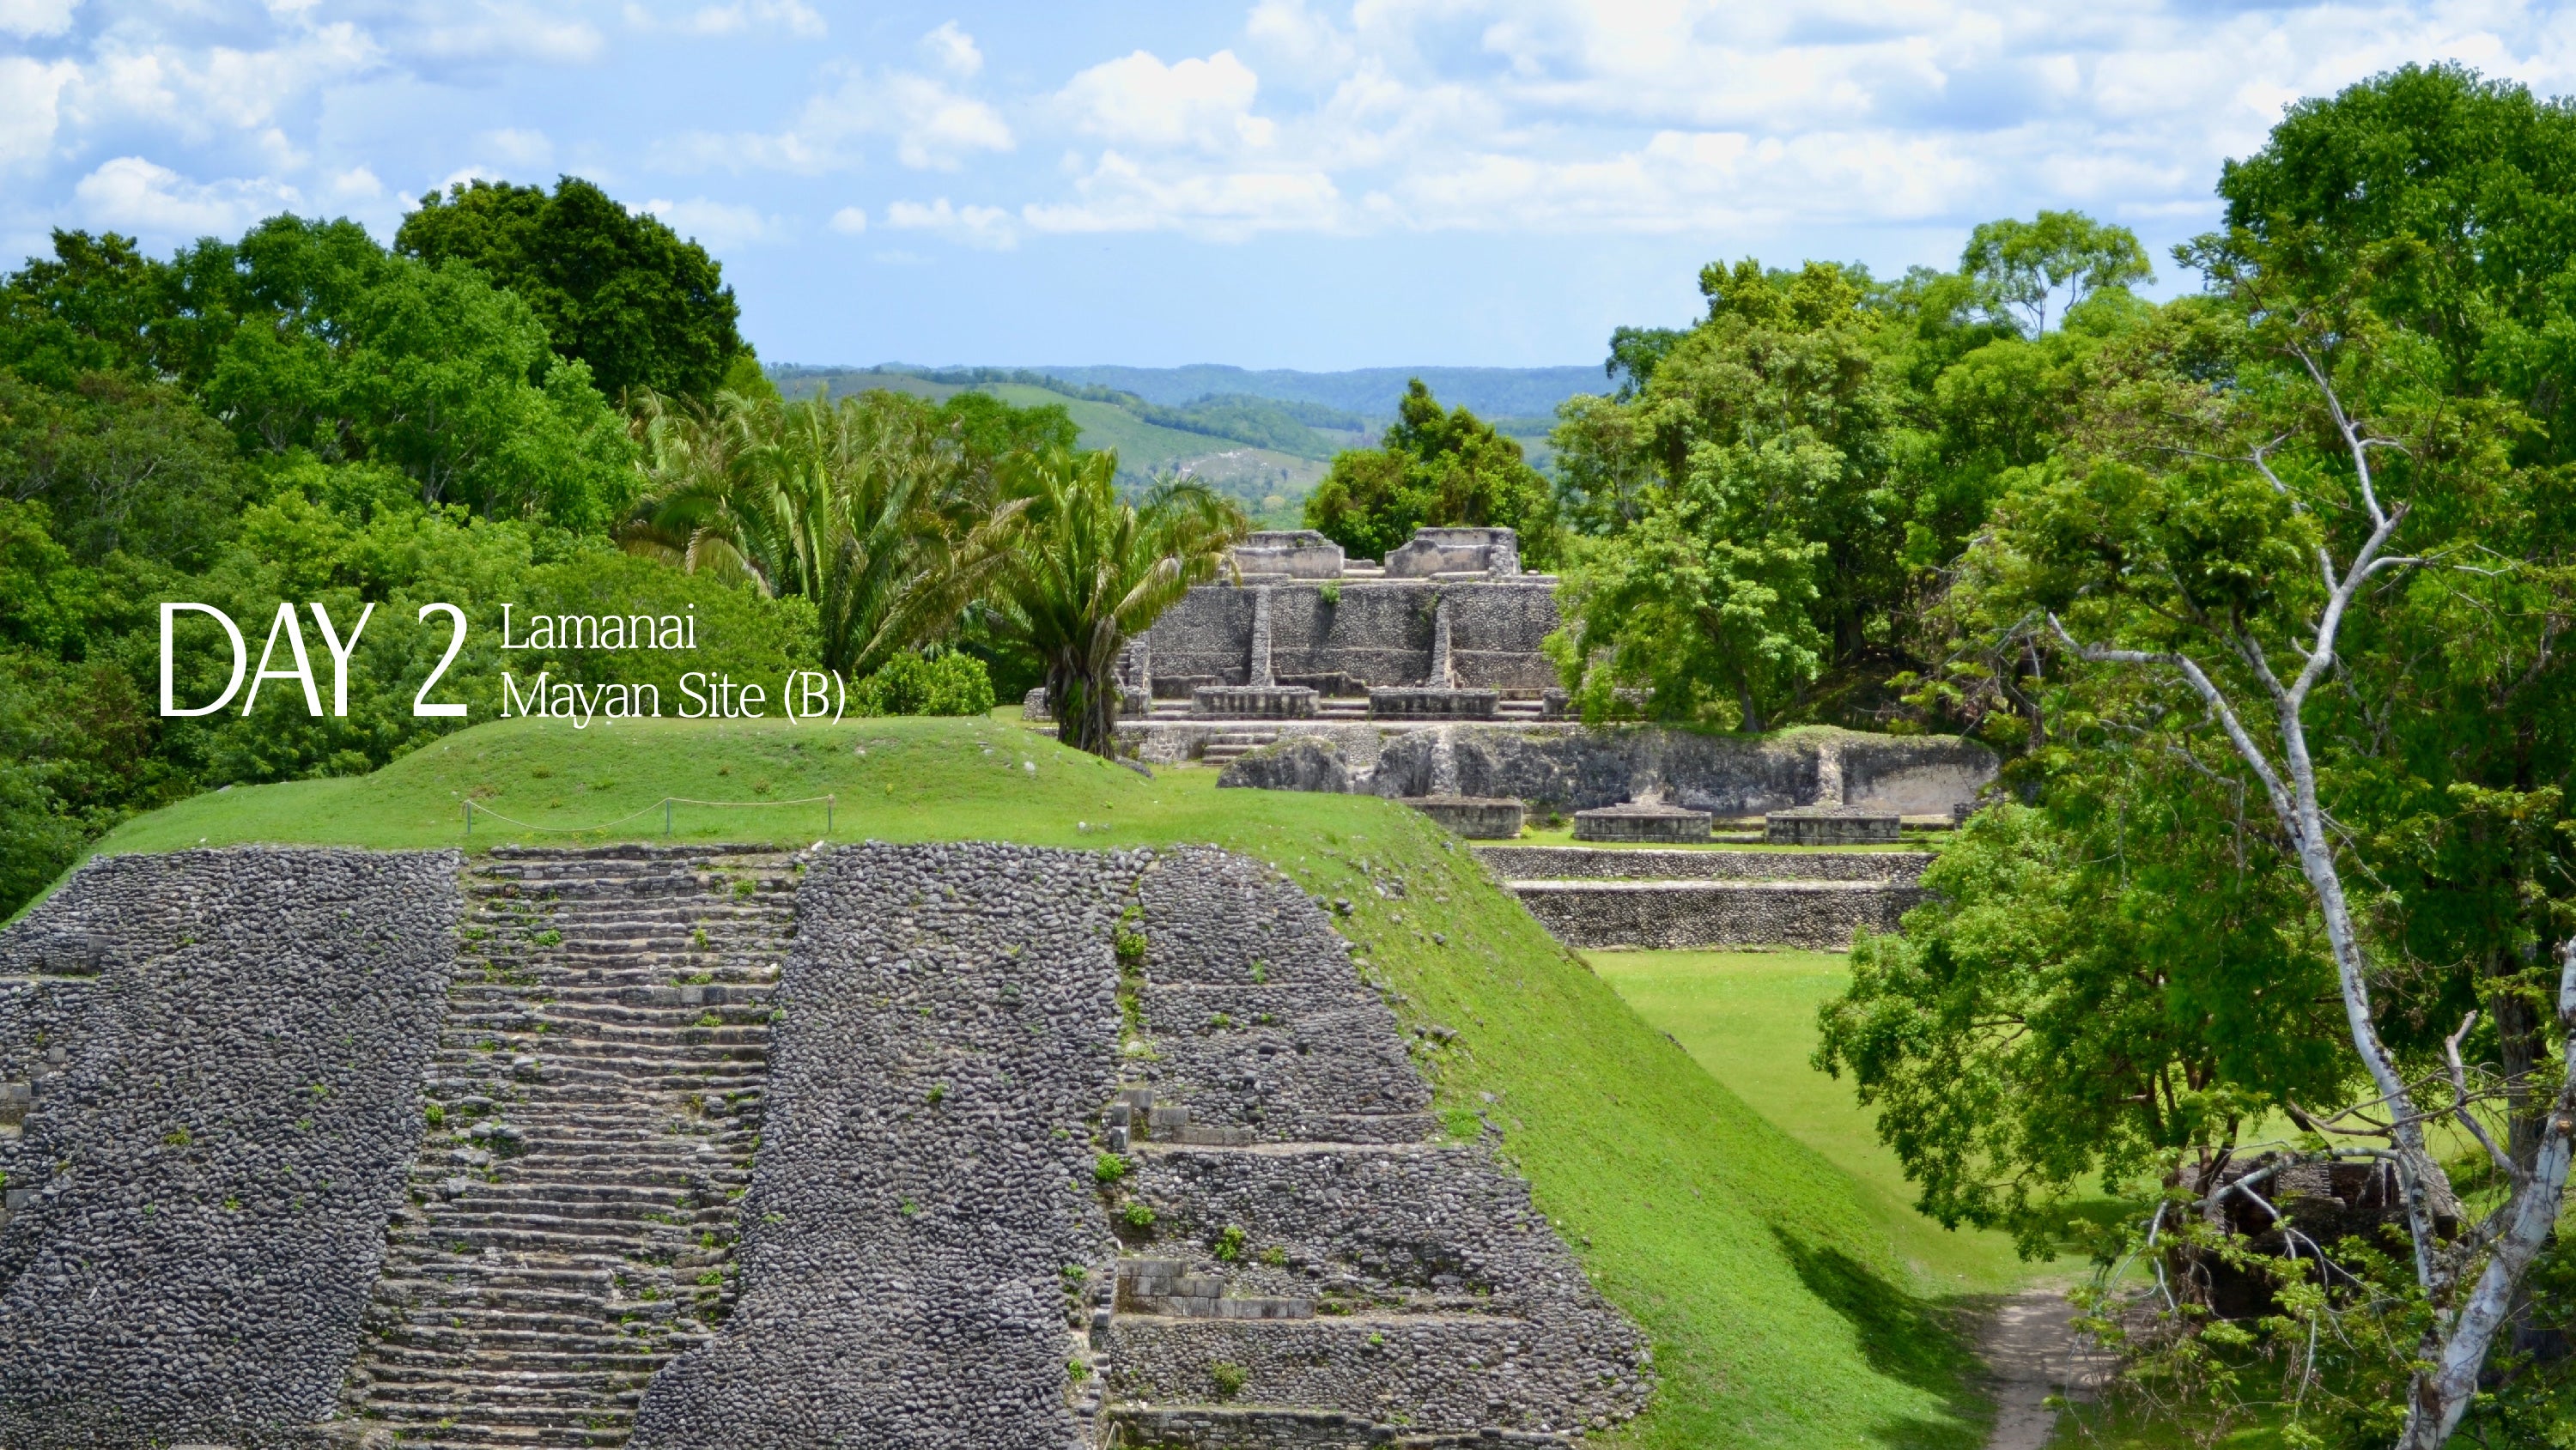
column 1229, row 1379
column 948, row 683
column 1108, row 1168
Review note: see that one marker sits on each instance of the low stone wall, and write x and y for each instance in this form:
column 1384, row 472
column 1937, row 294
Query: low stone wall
column 1478, row 818
column 214, row 1159
column 1570, row 767
column 1682, row 915
column 1832, row 827
column 1580, row 863
column 949, row 1018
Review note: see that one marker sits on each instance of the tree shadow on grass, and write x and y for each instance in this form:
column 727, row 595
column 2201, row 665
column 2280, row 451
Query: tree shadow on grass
column 1923, row 1344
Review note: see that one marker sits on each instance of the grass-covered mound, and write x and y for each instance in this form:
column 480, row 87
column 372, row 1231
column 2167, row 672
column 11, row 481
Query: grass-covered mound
column 1781, row 1310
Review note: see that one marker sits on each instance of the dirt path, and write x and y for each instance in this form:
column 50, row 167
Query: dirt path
column 2031, row 1354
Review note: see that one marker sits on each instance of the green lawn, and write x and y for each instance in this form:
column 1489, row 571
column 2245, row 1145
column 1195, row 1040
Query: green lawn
column 1750, row 1019
column 1781, row 1301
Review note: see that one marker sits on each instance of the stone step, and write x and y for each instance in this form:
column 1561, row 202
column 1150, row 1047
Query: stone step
column 625, row 989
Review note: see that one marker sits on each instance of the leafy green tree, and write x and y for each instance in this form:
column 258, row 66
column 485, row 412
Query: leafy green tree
column 1765, row 544
column 91, row 307
column 2442, row 199
column 2026, row 263
column 2092, row 993
column 616, row 289
column 120, row 464
column 1085, row 572
column 1435, row 467
column 438, row 385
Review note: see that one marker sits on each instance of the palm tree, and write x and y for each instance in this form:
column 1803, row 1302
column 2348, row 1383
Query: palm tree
column 860, row 506
column 1086, row 572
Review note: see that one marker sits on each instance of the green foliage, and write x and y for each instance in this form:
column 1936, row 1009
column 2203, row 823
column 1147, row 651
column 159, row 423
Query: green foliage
column 2022, row 264
column 1086, row 572
column 1228, row 1378
column 2089, row 993
column 1108, row 1168
column 617, row 290
column 871, row 511
column 1435, row 467
column 946, row 683
column 120, row 465
column 2441, row 200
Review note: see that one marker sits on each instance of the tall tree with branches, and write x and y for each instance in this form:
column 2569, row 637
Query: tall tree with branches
column 2256, row 550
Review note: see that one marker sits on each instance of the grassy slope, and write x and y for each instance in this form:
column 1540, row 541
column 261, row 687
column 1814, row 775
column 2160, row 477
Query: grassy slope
column 1750, row 1019
column 1779, row 1307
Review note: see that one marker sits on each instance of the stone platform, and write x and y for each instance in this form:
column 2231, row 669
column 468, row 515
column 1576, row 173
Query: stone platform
column 1252, row 702
column 1641, row 821
column 1832, row 826
column 1424, row 703
column 1478, row 818
column 1709, row 899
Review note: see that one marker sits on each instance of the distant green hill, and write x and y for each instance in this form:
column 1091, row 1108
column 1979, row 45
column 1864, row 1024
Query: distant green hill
column 1369, row 392
column 1265, row 449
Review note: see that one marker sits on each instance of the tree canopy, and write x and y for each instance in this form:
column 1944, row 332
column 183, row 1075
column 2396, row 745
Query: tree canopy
column 615, row 289
column 1435, row 467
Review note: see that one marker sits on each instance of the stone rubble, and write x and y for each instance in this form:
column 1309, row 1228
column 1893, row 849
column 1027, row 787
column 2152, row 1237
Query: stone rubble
column 212, row 1161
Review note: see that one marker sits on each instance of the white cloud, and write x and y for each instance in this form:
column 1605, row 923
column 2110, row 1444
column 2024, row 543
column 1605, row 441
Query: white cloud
column 953, row 50
column 28, row 19
column 719, row 226
column 738, row 18
column 1137, row 100
column 491, row 32
column 1119, row 195
column 975, row 226
column 1696, row 116
column 849, row 221
column 1306, row 41
column 29, row 115
column 130, row 194
column 935, row 128
column 518, row 147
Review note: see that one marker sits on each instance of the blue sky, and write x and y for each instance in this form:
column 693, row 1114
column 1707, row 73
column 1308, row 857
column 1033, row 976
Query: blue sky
column 1289, row 183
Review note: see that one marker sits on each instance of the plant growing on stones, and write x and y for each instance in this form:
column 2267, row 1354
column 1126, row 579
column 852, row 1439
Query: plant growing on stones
column 1229, row 1245
column 1108, row 1168
column 938, row 1093
column 1229, row 1379
column 1138, row 1215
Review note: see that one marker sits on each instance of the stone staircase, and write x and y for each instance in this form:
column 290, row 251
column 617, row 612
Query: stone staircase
column 595, row 1102
column 1305, row 1263
column 1228, row 746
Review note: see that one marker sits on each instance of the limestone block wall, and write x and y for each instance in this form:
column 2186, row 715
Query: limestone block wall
column 1379, row 632
column 213, row 1164
column 1573, row 863
column 1680, row 915
column 923, row 1176
column 1575, row 767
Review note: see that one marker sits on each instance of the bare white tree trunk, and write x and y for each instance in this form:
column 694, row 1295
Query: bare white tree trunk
column 2463, row 1328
